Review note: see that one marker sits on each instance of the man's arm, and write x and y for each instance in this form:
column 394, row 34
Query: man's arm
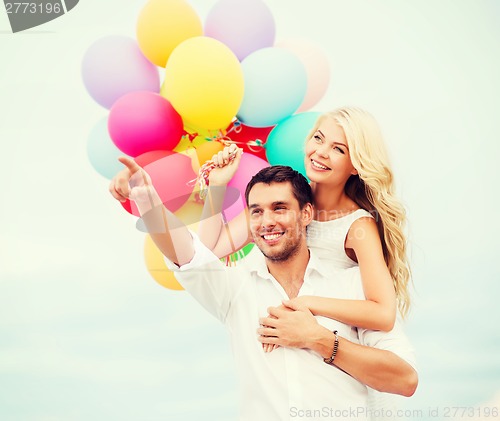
column 168, row 232
column 379, row 369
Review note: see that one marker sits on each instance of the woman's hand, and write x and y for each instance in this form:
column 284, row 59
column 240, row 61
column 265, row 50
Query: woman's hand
column 302, row 302
column 227, row 162
column 298, row 303
column 270, row 347
column 289, row 325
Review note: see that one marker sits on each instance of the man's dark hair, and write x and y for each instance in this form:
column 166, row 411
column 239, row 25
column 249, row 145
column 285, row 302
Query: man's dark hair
column 282, row 174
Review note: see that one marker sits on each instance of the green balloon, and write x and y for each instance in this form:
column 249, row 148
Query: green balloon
column 240, row 254
column 285, row 144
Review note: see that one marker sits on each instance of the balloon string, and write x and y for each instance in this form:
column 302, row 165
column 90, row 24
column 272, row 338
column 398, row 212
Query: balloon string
column 202, row 180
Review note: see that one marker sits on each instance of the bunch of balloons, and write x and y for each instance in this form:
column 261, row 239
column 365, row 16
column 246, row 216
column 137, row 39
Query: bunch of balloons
column 226, row 78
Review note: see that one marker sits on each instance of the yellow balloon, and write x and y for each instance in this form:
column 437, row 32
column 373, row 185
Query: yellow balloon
column 157, row 268
column 190, row 214
column 199, row 144
column 162, row 25
column 195, row 137
column 204, row 83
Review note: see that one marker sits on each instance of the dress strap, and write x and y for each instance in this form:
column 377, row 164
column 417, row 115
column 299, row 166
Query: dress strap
column 351, row 218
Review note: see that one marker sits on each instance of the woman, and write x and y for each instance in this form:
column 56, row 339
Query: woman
column 358, row 219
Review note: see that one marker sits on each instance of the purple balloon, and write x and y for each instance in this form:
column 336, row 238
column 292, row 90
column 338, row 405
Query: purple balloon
column 114, row 66
column 243, row 25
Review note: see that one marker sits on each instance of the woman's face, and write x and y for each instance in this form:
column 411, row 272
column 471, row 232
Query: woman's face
column 327, row 157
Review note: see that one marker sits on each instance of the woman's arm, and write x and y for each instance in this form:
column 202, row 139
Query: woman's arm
column 378, row 311
column 379, row 369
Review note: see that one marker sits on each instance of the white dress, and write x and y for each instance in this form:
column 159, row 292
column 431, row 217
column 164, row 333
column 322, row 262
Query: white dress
column 327, row 238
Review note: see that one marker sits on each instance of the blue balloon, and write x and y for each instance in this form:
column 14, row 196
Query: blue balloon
column 286, row 142
column 102, row 152
column 275, row 86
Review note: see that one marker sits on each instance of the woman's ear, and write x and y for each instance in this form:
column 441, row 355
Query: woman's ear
column 354, row 171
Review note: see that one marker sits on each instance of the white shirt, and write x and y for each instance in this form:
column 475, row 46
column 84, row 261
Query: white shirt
column 287, row 383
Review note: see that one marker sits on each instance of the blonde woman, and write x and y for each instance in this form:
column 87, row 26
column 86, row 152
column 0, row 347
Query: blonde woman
column 358, row 220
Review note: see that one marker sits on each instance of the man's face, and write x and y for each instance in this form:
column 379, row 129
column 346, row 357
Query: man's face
column 277, row 223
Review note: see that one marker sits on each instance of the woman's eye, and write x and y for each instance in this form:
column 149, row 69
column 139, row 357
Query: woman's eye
column 317, row 138
column 339, row 149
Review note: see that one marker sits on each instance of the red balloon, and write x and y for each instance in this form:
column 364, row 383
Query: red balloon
column 172, row 176
column 246, row 136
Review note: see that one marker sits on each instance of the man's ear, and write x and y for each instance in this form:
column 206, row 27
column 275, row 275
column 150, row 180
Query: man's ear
column 307, row 214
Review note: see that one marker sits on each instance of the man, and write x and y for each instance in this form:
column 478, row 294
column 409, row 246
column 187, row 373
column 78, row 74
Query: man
column 292, row 381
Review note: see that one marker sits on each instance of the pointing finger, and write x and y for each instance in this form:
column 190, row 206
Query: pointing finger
column 132, row 166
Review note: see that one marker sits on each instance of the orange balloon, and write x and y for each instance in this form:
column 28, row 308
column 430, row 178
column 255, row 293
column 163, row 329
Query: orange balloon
column 204, row 152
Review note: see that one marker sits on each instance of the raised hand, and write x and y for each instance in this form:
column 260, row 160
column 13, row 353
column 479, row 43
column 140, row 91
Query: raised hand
column 133, row 182
column 227, row 162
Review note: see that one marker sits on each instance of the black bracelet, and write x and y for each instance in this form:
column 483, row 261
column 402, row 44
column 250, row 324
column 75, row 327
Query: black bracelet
column 335, row 349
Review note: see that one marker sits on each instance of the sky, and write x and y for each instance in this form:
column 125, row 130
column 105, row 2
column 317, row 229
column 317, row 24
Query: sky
column 86, row 333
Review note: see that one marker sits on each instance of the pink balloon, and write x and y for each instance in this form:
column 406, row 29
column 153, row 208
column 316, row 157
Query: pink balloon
column 317, row 68
column 140, row 122
column 171, row 174
column 114, row 66
column 243, row 25
column 234, row 202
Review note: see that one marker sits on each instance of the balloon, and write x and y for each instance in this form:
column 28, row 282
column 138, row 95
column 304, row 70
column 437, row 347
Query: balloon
column 162, row 25
column 317, row 69
column 204, row 82
column 241, row 253
column 246, row 136
column 157, row 267
column 244, row 26
column 285, row 143
column 140, row 122
column 102, row 152
column 190, row 214
column 171, row 174
column 275, row 85
column 204, row 152
column 234, row 201
column 194, row 137
column 114, row 66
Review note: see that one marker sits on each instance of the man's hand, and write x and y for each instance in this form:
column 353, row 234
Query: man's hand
column 289, row 325
column 227, row 162
column 131, row 183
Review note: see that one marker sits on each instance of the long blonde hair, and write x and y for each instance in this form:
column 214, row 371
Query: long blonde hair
column 373, row 190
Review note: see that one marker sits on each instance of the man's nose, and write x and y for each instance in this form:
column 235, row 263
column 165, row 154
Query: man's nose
column 268, row 219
